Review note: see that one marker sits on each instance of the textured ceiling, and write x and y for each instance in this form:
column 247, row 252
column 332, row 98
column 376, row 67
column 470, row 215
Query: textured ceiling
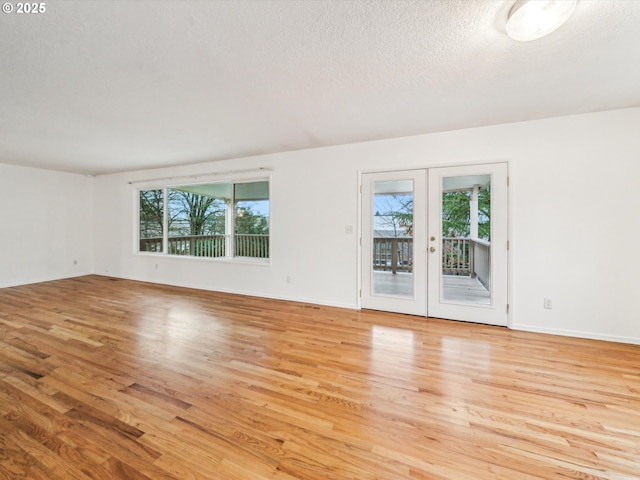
column 105, row 86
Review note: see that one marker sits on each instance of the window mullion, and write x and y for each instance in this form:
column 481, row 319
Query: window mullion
column 230, row 224
column 165, row 222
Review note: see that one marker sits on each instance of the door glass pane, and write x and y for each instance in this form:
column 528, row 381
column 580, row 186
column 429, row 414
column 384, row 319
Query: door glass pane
column 466, row 240
column 393, row 238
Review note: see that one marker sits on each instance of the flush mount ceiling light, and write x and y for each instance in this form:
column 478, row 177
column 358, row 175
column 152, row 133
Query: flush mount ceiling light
column 533, row 19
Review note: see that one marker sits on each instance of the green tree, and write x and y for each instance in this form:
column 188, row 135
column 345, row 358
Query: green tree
column 248, row 222
column 193, row 214
column 456, row 214
column 151, row 213
column 201, row 212
column 395, row 211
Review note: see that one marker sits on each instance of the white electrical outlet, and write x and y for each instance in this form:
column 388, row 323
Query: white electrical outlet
column 548, row 303
column 288, row 278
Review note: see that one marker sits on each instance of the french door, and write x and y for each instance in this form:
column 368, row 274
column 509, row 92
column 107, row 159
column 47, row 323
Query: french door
column 434, row 242
column 393, row 242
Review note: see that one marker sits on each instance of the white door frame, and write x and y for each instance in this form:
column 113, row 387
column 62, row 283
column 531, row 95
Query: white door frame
column 466, row 169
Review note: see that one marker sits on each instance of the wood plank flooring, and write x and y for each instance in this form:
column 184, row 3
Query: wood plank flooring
column 113, row 379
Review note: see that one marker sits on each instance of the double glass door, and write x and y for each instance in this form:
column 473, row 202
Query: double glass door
column 435, row 242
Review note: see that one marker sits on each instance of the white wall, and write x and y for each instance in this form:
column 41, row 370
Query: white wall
column 574, row 206
column 46, row 222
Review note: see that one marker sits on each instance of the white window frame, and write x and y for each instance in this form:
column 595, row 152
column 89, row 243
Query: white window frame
column 230, row 234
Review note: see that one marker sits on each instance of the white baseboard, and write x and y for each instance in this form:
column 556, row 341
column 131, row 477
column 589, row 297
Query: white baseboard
column 240, row 292
column 44, row 279
column 577, row 334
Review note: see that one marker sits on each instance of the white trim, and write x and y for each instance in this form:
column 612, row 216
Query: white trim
column 473, row 163
column 199, row 176
column 45, row 279
column 264, row 262
column 510, row 270
column 576, row 334
column 247, row 293
column 360, row 232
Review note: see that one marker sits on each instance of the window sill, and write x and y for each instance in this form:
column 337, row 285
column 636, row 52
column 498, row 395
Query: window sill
column 266, row 262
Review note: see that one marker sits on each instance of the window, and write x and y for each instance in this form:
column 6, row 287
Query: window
column 151, row 220
column 197, row 219
column 251, row 219
column 206, row 220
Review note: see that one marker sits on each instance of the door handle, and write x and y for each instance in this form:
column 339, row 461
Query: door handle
column 432, row 249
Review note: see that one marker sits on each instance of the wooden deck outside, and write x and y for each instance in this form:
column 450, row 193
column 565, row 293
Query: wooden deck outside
column 113, row 379
column 455, row 289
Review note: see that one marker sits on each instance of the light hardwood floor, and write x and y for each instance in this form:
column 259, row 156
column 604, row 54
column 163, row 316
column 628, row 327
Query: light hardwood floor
column 103, row 378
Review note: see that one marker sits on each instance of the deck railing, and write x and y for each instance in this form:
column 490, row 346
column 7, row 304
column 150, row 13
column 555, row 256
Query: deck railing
column 456, row 256
column 460, row 256
column 482, row 262
column 211, row 246
column 466, row 256
column 256, row 246
column 153, row 244
column 393, row 254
